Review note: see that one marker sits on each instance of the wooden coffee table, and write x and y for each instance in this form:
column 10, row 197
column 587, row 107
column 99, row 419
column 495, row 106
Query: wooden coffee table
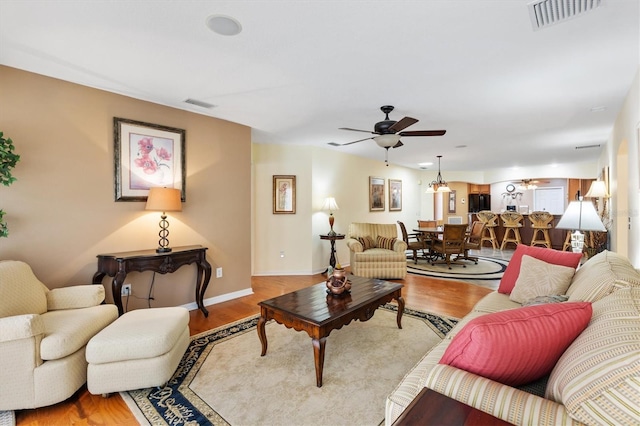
column 312, row 310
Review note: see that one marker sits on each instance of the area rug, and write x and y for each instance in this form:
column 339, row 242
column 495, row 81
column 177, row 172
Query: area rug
column 223, row 380
column 488, row 268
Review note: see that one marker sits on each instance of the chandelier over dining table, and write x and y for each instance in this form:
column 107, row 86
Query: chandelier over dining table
column 438, row 185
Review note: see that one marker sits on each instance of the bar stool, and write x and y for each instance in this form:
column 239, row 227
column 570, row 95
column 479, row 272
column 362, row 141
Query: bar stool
column 512, row 222
column 567, row 242
column 541, row 223
column 490, row 220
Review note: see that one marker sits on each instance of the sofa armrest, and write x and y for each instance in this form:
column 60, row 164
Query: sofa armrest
column 399, row 246
column 75, row 297
column 354, row 245
column 20, row 327
column 505, row 402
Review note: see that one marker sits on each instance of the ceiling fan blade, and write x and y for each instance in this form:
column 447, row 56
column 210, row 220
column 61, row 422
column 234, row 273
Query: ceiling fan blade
column 423, row 133
column 348, row 143
column 398, row 145
column 402, row 124
column 355, row 130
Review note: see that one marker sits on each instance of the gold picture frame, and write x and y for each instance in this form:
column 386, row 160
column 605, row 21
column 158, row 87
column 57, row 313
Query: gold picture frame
column 284, row 194
column 376, row 194
column 395, row 195
column 147, row 155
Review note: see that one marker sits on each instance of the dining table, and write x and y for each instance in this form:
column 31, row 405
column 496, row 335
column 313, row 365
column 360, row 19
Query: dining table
column 433, row 232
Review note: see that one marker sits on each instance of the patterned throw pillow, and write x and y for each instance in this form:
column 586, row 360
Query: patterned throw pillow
column 557, row 257
column 541, row 300
column 539, row 278
column 386, row 243
column 517, row 346
column 367, row 242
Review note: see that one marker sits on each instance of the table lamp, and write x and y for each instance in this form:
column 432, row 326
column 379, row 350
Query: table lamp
column 164, row 200
column 580, row 216
column 331, row 205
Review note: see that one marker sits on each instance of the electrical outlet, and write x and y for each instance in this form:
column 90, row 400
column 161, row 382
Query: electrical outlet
column 218, row 272
column 126, row 290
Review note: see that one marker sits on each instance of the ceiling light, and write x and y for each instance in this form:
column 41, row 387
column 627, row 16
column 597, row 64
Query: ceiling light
column 439, row 184
column 387, row 141
column 598, row 108
column 425, row 164
column 224, row 25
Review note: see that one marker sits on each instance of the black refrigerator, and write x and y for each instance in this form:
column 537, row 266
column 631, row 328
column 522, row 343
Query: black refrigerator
column 479, row 202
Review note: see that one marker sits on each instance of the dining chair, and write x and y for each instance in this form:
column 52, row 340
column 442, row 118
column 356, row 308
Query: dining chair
column 473, row 241
column 414, row 242
column 452, row 243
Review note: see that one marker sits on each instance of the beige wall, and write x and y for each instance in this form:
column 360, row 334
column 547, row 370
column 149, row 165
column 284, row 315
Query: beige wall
column 320, row 173
column 61, row 211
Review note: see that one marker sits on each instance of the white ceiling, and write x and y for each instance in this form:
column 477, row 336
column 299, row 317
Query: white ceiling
column 299, row 70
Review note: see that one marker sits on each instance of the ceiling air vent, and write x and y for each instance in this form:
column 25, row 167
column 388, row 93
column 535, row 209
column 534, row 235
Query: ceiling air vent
column 199, row 103
column 588, row 146
column 545, row 13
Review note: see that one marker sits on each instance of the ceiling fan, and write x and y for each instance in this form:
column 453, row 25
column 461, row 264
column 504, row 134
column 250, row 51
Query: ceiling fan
column 388, row 132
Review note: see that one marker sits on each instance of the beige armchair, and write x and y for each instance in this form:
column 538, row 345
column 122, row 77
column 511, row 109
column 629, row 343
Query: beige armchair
column 43, row 335
column 376, row 252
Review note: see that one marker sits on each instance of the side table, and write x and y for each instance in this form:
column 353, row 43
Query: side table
column 118, row 265
column 432, row 408
column 332, row 238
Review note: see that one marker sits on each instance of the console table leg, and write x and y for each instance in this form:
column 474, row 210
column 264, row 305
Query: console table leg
column 201, row 285
column 318, row 355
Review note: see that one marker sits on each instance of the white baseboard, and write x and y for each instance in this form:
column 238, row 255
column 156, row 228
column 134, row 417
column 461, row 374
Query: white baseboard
column 219, row 299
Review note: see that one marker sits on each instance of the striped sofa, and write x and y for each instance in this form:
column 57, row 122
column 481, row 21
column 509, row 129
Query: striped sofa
column 596, row 380
column 376, row 252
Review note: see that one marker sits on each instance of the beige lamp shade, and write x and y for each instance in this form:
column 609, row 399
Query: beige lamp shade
column 164, row 200
column 330, row 204
column 598, row 189
column 581, row 215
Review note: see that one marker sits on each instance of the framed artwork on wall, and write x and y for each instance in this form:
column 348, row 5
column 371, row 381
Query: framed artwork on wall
column 284, row 194
column 147, row 155
column 376, row 194
column 452, row 201
column 395, row 195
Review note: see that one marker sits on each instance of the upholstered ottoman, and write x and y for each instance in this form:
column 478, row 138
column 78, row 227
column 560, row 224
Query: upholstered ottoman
column 141, row 349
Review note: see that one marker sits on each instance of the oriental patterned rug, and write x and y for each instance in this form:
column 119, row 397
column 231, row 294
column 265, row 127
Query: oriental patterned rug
column 487, row 269
column 223, row 380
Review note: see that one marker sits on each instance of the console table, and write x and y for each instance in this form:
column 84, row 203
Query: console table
column 118, row 265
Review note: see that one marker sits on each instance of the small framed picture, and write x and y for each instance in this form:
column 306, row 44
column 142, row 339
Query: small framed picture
column 452, row 201
column 147, row 155
column 395, row 195
column 284, row 194
column 376, row 194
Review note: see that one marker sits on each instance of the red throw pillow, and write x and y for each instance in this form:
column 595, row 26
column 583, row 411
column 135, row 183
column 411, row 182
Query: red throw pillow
column 555, row 257
column 517, row 346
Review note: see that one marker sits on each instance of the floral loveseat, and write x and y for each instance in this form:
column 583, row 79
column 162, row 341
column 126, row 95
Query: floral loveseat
column 376, row 252
column 582, row 354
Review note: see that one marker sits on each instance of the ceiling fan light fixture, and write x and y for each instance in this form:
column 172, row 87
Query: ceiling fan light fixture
column 387, row 141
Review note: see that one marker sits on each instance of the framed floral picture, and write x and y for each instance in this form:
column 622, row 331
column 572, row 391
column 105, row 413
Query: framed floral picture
column 147, row 155
column 284, row 194
column 376, row 194
column 395, row 195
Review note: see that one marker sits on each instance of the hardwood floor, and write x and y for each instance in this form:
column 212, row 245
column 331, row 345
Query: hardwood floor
column 443, row 297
